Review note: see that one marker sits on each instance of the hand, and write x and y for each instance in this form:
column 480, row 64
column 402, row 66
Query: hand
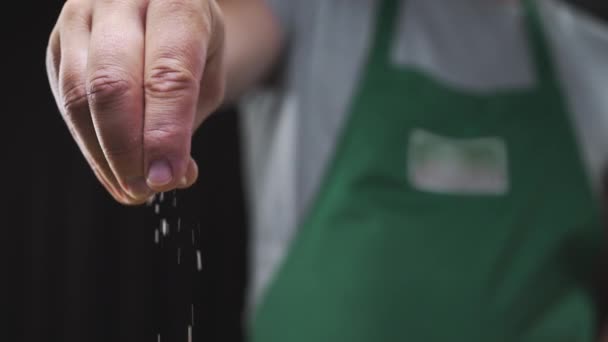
column 133, row 79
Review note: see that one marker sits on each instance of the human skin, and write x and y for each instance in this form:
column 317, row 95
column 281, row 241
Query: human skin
column 133, row 80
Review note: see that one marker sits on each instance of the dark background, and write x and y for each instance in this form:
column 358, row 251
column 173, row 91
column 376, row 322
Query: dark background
column 78, row 267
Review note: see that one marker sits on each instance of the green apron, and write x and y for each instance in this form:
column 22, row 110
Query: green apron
column 382, row 258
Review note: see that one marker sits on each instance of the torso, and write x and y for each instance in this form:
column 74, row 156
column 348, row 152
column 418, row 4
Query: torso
column 289, row 146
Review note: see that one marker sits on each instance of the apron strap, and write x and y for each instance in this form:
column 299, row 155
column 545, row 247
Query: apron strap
column 543, row 63
column 386, row 20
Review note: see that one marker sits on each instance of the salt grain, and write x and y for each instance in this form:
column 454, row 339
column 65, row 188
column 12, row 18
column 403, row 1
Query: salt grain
column 189, row 334
column 156, row 208
column 179, row 253
column 164, row 226
column 199, row 260
column 156, row 236
column 150, row 200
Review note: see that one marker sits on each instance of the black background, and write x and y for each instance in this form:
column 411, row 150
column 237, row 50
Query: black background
column 598, row 8
column 76, row 266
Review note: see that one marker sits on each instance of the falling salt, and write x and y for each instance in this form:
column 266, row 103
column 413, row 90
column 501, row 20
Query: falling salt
column 192, row 237
column 158, row 337
column 156, row 208
column 179, row 253
column 150, row 200
column 199, row 260
column 189, row 334
column 156, row 236
column 162, row 196
column 174, row 201
column 192, row 314
column 164, row 226
column 179, row 224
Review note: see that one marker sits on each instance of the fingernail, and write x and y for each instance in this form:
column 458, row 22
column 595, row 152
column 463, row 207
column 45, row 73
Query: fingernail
column 139, row 188
column 183, row 182
column 150, row 200
column 159, row 173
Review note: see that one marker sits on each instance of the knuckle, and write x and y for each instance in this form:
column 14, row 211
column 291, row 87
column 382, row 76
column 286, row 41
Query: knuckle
column 75, row 12
column 174, row 7
column 169, row 81
column 107, row 86
column 165, row 135
column 74, row 97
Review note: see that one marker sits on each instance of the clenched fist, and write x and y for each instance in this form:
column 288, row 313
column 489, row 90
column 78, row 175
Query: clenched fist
column 133, row 79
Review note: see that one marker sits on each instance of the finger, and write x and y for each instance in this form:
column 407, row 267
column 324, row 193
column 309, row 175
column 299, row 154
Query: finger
column 210, row 97
column 114, row 84
column 214, row 81
column 176, row 52
column 73, row 39
column 191, row 175
column 53, row 60
column 212, row 87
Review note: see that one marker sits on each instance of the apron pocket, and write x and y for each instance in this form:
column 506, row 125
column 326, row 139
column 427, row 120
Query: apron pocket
column 461, row 166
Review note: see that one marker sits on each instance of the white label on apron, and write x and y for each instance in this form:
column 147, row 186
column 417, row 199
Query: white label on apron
column 474, row 166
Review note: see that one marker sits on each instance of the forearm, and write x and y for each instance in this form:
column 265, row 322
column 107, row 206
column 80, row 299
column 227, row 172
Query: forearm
column 252, row 45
